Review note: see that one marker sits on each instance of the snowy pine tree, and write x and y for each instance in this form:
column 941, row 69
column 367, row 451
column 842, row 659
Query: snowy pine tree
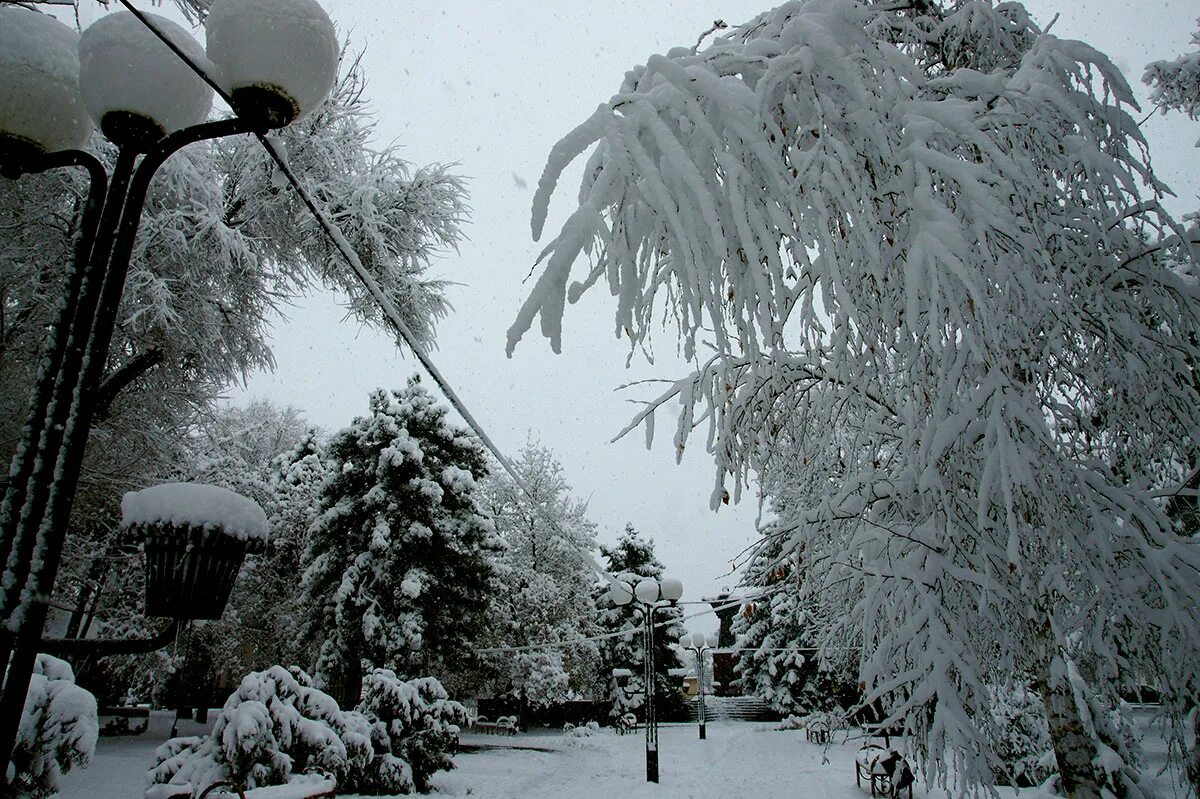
column 632, row 559
column 398, row 571
column 927, row 236
column 776, row 636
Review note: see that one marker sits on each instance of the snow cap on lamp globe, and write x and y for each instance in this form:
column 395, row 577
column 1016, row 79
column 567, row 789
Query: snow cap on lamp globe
column 647, row 590
column 672, row 589
column 278, row 58
column 620, row 592
column 135, row 87
column 41, row 109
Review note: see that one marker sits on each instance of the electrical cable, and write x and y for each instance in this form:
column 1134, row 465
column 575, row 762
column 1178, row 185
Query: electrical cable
column 385, row 303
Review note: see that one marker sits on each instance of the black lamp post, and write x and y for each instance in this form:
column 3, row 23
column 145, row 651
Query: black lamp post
column 700, row 645
column 650, row 595
column 150, row 103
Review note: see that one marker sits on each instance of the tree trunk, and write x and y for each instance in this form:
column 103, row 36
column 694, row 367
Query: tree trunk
column 1074, row 749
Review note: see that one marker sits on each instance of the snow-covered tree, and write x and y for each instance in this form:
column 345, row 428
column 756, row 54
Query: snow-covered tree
column 547, row 585
column 398, row 569
column 1176, row 83
column 928, row 232
column 58, row 731
column 776, row 633
column 632, row 559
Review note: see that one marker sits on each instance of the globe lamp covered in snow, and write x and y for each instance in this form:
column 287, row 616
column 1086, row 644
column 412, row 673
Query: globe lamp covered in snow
column 698, row 639
column 136, row 89
column 620, row 593
column 647, row 590
column 277, row 58
column 671, row 589
column 41, row 110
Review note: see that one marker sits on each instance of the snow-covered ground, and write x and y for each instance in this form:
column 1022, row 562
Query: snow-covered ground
column 737, row 760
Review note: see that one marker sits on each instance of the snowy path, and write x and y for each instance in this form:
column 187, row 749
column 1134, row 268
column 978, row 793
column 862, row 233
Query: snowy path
column 737, row 760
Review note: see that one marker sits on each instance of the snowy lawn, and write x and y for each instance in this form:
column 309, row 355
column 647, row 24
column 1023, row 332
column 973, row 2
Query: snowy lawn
column 737, row 760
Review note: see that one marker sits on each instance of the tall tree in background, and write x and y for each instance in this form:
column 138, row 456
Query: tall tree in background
column 776, row 636
column 632, row 559
column 930, row 232
column 547, row 584
column 399, row 567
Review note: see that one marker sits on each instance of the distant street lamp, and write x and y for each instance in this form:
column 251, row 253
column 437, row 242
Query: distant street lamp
column 700, row 645
column 651, row 595
column 149, row 102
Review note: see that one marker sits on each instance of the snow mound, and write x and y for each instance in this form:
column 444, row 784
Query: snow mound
column 195, row 505
column 39, row 81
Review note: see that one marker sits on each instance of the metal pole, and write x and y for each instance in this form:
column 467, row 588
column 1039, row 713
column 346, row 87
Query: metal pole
column 651, row 714
column 700, row 685
column 36, row 546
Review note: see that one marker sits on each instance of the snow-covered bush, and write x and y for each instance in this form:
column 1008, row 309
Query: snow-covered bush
column 1019, row 736
column 414, row 726
column 273, row 726
column 58, row 730
column 276, row 726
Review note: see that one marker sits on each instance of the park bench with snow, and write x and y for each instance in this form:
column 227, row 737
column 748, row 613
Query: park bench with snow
column 503, row 725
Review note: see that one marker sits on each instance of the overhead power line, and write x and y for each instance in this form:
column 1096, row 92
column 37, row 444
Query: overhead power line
column 334, row 234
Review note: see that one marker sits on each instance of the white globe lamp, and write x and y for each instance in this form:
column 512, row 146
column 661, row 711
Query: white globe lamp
column 647, row 590
column 672, row 589
column 278, row 58
column 41, row 110
column 697, row 639
column 712, row 640
column 134, row 86
column 620, row 593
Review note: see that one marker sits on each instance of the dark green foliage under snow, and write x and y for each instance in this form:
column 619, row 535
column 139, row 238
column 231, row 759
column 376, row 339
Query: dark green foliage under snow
column 398, row 570
column 632, row 559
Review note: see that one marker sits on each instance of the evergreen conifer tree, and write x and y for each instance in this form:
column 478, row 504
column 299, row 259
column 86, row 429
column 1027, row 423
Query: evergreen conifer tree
column 632, row 559
column 398, row 567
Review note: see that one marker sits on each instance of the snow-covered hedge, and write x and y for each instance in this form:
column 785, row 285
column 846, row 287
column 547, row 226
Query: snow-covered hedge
column 58, row 730
column 276, row 726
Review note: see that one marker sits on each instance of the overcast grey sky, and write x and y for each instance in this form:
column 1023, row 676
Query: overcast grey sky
column 492, row 86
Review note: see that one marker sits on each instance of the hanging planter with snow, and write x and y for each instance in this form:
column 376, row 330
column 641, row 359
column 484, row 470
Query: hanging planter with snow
column 196, row 537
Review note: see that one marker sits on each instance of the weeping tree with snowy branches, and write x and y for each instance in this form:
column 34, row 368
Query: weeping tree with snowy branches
column 919, row 245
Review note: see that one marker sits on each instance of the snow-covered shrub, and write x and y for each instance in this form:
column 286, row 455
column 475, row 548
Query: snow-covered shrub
column 276, row 726
column 1019, row 736
column 58, row 730
column 791, row 722
column 273, row 726
column 413, row 726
